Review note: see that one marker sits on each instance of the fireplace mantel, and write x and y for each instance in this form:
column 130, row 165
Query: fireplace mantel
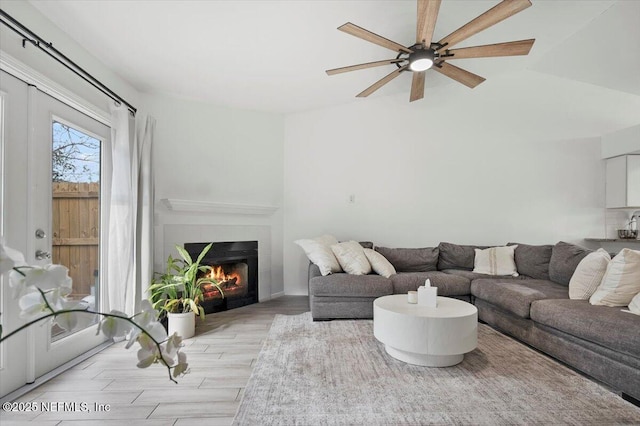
column 209, row 207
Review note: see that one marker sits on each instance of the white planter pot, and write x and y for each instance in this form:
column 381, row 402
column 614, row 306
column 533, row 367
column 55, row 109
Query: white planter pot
column 183, row 324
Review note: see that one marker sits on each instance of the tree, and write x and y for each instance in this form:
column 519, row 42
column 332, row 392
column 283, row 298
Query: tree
column 76, row 155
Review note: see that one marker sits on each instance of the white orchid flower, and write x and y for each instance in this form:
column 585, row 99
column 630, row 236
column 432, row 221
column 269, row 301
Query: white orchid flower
column 17, row 284
column 47, row 277
column 182, row 367
column 9, row 258
column 146, row 357
column 33, row 305
column 174, row 343
column 115, row 327
column 145, row 319
column 74, row 320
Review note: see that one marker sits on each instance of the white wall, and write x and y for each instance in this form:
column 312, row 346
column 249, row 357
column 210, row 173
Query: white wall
column 621, row 142
column 217, row 154
column 515, row 160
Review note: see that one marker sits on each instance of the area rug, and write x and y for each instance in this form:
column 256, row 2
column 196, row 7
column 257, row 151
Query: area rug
column 337, row 373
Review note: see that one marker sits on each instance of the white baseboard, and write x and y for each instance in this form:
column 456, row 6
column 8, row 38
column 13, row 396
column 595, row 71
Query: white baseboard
column 278, row 294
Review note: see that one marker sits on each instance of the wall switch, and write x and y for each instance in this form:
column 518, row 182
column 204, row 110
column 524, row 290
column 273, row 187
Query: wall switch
column 352, row 198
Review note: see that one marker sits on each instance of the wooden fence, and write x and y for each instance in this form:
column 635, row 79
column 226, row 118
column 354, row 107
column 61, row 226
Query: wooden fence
column 76, row 232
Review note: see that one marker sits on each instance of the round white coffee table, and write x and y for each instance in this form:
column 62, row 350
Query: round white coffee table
column 433, row 337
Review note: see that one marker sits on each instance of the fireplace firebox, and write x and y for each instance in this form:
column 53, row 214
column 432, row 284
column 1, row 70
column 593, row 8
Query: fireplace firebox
column 235, row 266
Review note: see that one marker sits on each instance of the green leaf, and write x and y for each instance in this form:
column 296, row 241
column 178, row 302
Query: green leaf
column 184, row 255
column 204, row 252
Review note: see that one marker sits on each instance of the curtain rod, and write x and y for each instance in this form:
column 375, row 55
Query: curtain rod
column 31, row 37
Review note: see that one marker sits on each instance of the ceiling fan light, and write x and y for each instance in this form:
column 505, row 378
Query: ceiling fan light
column 421, row 59
column 421, row 64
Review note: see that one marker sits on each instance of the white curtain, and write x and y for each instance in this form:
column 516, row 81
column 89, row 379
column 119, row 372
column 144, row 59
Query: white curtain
column 129, row 244
column 146, row 201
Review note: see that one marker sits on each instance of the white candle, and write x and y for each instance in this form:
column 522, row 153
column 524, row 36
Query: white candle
column 412, row 297
column 427, row 283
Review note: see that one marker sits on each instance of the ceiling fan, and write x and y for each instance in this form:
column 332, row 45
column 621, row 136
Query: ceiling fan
column 426, row 54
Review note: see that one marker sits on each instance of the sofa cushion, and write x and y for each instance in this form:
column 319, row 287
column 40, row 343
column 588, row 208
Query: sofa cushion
column 454, row 256
column 533, row 261
column 448, row 285
column 565, row 258
column 621, row 280
column 495, row 261
column 516, row 296
column 379, row 263
column 318, row 250
column 603, row 325
column 470, row 275
column 588, row 275
column 351, row 257
column 350, row 285
column 634, row 305
column 411, row 259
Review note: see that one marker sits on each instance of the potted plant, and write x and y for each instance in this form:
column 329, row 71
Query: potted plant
column 177, row 292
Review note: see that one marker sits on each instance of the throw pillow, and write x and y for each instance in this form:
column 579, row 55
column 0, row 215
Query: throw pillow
column 379, row 263
column 455, row 256
column 411, row 259
column 564, row 261
column 351, row 257
column 621, row 281
column 588, row 275
column 318, row 250
column 634, row 305
column 495, row 261
column 533, row 261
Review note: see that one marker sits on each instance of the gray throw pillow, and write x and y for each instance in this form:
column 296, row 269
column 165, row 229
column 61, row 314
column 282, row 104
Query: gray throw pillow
column 564, row 261
column 411, row 259
column 455, row 256
column 533, row 261
column 366, row 244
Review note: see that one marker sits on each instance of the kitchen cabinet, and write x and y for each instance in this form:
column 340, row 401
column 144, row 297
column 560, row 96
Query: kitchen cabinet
column 623, row 182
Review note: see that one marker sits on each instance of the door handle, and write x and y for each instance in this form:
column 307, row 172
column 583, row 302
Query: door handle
column 41, row 255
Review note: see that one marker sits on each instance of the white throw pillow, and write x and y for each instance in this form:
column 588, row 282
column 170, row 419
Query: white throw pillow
column 634, row 305
column 621, row 280
column 318, row 250
column 379, row 263
column 496, row 261
column 351, row 257
column 588, row 275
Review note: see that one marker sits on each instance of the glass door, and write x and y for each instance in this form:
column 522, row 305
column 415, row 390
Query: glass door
column 66, row 169
column 53, row 205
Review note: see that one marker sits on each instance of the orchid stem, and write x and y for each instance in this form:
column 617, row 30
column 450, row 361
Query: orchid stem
column 87, row 311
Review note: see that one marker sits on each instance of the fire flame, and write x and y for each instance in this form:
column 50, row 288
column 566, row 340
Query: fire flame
column 218, row 274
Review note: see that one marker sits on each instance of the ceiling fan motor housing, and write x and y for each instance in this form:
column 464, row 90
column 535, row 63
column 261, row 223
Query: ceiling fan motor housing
column 422, row 58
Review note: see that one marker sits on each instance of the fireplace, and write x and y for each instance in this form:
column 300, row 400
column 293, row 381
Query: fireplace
column 235, row 266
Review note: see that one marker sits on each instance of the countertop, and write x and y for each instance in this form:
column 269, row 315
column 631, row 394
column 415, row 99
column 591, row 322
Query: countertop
column 614, row 240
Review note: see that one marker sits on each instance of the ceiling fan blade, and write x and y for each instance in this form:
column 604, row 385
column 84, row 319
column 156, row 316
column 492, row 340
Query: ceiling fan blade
column 364, row 66
column 378, row 84
column 427, row 16
column 417, row 86
column 359, row 32
column 467, row 78
column 512, row 48
column 491, row 17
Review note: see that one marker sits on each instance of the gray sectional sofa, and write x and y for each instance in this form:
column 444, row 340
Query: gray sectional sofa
column 602, row 342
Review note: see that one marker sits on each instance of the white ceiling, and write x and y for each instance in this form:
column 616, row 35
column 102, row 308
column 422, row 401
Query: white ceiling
column 271, row 55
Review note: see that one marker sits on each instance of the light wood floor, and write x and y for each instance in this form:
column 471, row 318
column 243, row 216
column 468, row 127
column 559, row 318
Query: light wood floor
column 221, row 357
